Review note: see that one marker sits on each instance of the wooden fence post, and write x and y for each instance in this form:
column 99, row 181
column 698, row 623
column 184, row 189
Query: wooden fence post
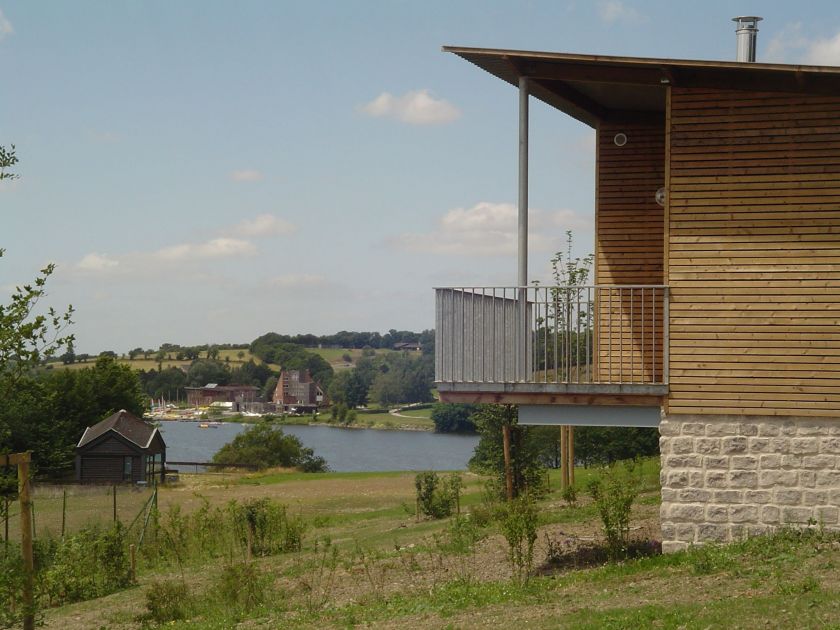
column 63, row 512
column 508, row 470
column 563, row 461
column 571, row 455
column 132, row 552
column 26, row 527
column 115, row 503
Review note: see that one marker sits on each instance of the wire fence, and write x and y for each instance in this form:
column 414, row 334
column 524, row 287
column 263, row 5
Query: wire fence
column 63, row 510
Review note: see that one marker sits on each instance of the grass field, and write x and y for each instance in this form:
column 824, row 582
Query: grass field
column 333, row 356
column 392, row 572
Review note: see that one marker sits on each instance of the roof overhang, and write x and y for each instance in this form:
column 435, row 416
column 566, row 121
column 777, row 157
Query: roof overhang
column 594, row 88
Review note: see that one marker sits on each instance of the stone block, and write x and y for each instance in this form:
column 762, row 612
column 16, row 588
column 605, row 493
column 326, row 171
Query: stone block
column 773, row 461
column 772, row 478
column 804, row 445
column 695, row 495
column 664, row 445
column 791, row 461
column 695, row 478
column 743, row 479
column 830, row 445
column 673, row 546
column 743, row 513
column 821, row 462
column 721, row 429
column 808, row 478
column 828, row 478
column 758, row 496
column 814, row 497
column 686, row 531
column 779, row 445
column 720, row 462
column 712, row 532
column 669, row 531
column 771, row 514
column 717, row 513
column 677, row 479
column 669, row 428
column 769, row 429
column 682, row 445
column 669, row 494
column 693, row 428
column 758, row 445
column 797, row 514
column 828, row 515
column 730, row 445
column 707, row 446
column 682, row 512
column 748, row 428
column 728, row 496
column 744, row 462
column 683, row 461
column 810, row 428
column 788, row 496
column 789, row 428
column 715, row 479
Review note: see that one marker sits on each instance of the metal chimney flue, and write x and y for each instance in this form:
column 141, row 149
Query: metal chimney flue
column 747, row 32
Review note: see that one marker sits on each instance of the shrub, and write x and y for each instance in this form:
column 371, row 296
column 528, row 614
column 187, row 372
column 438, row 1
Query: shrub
column 168, row 601
column 436, row 496
column 266, row 526
column 614, row 492
column 266, row 445
column 88, row 564
column 243, row 586
column 518, row 522
column 569, row 495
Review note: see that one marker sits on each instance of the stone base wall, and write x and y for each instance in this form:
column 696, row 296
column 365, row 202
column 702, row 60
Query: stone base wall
column 726, row 477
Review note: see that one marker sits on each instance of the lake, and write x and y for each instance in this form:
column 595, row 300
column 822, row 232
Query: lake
column 346, row 450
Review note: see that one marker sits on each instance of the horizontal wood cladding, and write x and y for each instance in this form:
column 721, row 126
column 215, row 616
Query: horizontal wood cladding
column 629, row 250
column 754, row 253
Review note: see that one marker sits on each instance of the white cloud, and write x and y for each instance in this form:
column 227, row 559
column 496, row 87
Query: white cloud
column 247, row 175
column 5, row 26
column 263, row 225
column 418, row 107
column 152, row 262
column 96, row 262
column 616, row 11
column 793, row 45
column 824, row 52
column 215, row 248
column 490, row 229
column 298, row 281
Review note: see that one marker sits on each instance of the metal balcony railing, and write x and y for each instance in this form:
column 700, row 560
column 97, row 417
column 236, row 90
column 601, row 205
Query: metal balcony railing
column 595, row 334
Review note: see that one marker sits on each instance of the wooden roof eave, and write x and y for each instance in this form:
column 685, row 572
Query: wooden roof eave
column 552, row 73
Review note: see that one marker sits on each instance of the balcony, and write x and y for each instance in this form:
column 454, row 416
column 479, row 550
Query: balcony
column 544, row 345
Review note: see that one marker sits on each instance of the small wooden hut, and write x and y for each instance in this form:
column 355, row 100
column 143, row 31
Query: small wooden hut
column 121, row 449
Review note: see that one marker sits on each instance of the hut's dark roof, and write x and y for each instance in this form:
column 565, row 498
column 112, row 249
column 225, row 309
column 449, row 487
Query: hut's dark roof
column 126, row 424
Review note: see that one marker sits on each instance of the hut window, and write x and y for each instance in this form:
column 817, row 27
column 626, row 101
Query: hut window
column 127, row 469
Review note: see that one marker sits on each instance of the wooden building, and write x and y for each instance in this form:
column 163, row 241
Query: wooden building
column 214, row 393
column 297, row 391
column 715, row 308
column 121, row 449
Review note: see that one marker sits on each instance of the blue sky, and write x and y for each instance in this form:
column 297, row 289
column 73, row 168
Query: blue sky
column 208, row 172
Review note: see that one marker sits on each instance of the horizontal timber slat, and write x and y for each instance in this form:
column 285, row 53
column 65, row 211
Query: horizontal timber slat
column 754, row 253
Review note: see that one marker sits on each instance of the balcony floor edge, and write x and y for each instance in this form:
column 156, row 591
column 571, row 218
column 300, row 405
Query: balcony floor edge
column 626, row 394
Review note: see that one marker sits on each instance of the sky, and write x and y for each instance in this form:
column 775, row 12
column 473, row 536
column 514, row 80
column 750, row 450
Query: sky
column 207, row 172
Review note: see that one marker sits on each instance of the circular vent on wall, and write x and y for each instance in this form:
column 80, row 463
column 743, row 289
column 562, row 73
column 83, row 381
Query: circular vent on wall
column 620, row 139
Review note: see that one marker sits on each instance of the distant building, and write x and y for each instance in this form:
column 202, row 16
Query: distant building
column 296, row 390
column 415, row 346
column 121, row 449
column 213, row 393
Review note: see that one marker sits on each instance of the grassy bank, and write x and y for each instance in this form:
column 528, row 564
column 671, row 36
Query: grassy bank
column 368, row 561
